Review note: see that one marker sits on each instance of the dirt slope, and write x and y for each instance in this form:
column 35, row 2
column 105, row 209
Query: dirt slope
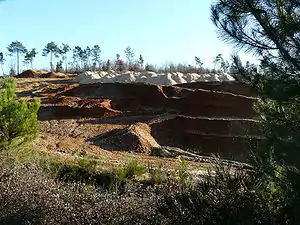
column 209, row 122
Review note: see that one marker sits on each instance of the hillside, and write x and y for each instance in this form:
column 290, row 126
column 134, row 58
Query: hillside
column 205, row 118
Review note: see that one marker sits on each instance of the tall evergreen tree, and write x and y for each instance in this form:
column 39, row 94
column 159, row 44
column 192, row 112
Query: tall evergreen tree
column 95, row 54
column 77, row 52
column 52, row 49
column 271, row 30
column 199, row 62
column 17, row 48
column 29, row 57
column 63, row 50
column 82, row 55
column 129, row 53
column 2, row 59
column 87, row 53
column 141, row 61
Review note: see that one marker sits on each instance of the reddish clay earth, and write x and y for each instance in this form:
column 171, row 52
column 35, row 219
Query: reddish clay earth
column 204, row 118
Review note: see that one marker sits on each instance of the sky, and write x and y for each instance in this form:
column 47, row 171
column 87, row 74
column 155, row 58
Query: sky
column 163, row 31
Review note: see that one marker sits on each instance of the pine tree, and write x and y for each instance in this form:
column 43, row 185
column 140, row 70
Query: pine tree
column 17, row 48
column 81, row 55
column 270, row 29
column 141, row 62
column 18, row 118
column 59, row 66
column 2, row 59
column 52, row 49
column 77, row 52
column 95, row 54
column 129, row 56
column 199, row 62
column 108, row 65
column 63, row 51
column 87, row 57
column 29, row 57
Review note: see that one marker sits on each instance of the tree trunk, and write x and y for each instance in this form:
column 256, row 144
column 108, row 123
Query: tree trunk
column 51, row 64
column 66, row 62
column 31, row 65
column 18, row 66
column 99, row 65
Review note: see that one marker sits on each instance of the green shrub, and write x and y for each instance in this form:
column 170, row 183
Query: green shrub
column 181, row 174
column 131, row 169
column 157, row 175
column 221, row 197
column 81, row 169
column 18, row 118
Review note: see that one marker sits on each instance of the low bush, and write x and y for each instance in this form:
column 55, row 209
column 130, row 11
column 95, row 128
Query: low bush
column 18, row 118
column 221, row 197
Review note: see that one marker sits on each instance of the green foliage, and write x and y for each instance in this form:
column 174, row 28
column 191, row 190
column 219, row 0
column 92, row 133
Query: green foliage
column 199, row 62
column 267, row 28
column 29, row 56
column 181, row 174
column 220, row 63
column 80, row 169
column 83, row 56
column 129, row 56
column 17, row 48
column 222, row 197
column 141, row 61
column 2, row 59
column 95, row 54
column 12, row 71
column 52, row 49
column 157, row 174
column 59, row 66
column 108, row 65
column 150, row 68
column 131, row 169
column 18, row 118
column 63, row 50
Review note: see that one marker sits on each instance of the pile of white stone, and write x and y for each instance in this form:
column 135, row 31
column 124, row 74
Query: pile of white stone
column 148, row 77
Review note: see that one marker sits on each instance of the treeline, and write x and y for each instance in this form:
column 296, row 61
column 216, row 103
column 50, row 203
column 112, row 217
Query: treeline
column 63, row 58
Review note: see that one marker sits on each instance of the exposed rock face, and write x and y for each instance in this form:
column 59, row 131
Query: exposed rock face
column 72, row 107
column 208, row 122
column 135, row 138
column 225, row 86
column 229, row 138
column 188, row 102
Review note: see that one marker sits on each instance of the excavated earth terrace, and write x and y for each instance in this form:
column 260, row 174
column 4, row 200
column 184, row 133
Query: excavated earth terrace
column 203, row 118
